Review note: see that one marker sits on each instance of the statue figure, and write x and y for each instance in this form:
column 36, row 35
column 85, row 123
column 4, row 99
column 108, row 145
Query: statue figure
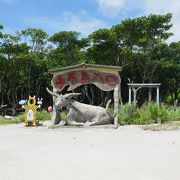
column 81, row 114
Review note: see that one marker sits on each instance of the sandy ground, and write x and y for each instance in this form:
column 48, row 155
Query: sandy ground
column 128, row 153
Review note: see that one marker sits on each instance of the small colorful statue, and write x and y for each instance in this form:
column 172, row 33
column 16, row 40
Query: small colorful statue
column 31, row 110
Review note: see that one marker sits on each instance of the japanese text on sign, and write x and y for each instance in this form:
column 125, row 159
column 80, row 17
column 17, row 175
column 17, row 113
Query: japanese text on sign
column 105, row 81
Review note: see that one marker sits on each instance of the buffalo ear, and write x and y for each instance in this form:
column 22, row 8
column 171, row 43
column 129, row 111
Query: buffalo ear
column 52, row 93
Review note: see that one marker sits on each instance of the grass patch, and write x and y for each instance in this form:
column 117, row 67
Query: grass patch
column 44, row 115
column 41, row 116
column 15, row 120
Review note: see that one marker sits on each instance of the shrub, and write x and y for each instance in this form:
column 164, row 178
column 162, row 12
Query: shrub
column 43, row 115
column 149, row 113
column 64, row 116
column 18, row 119
column 174, row 114
column 126, row 114
column 153, row 111
column 158, row 113
column 143, row 116
column 15, row 120
column 163, row 114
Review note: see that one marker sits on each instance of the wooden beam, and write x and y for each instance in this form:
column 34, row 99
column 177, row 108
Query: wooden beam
column 102, row 68
column 144, row 85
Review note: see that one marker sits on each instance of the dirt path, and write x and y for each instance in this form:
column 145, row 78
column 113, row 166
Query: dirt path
column 128, row 153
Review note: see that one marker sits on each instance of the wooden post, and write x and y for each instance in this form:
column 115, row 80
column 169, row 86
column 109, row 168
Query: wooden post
column 116, row 106
column 136, row 86
column 129, row 95
column 55, row 115
column 150, row 94
column 157, row 90
column 135, row 90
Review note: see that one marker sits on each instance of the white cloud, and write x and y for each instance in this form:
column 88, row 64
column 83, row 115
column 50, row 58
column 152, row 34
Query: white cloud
column 163, row 7
column 79, row 22
column 82, row 23
column 111, row 8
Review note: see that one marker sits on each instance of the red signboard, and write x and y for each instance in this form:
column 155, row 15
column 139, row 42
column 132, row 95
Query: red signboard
column 105, row 81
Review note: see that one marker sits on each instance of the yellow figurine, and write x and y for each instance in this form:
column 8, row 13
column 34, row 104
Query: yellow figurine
column 30, row 112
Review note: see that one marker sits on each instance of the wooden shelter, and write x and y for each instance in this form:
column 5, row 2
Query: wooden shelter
column 144, row 85
column 104, row 77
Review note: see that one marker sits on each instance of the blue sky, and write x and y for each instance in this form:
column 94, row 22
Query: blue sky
column 84, row 16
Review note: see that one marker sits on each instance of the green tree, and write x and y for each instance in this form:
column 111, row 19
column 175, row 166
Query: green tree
column 168, row 70
column 140, row 36
column 35, row 38
column 104, row 48
column 10, row 49
column 1, row 34
column 68, row 49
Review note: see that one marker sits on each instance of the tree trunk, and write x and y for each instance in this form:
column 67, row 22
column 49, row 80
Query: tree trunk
column 14, row 89
column 92, row 93
column 135, row 95
column 87, row 94
column 150, row 95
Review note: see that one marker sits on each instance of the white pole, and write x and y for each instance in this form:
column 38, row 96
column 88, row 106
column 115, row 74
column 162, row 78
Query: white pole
column 157, row 90
column 129, row 95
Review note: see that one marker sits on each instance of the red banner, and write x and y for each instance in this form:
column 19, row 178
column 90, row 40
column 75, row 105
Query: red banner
column 105, row 81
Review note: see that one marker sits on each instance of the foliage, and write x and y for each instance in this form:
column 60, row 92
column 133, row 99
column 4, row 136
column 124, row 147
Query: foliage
column 104, row 49
column 173, row 114
column 139, row 37
column 153, row 112
column 148, row 114
column 127, row 113
column 136, row 44
column 63, row 116
column 68, row 48
column 42, row 115
column 17, row 119
column 169, row 70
